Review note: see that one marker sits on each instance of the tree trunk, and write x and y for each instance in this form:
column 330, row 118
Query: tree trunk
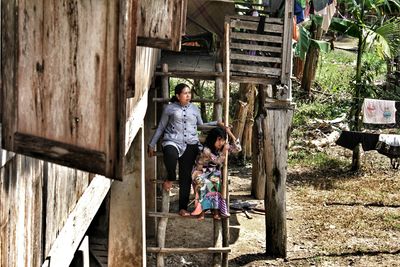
column 248, row 129
column 240, row 119
column 356, row 159
column 310, row 66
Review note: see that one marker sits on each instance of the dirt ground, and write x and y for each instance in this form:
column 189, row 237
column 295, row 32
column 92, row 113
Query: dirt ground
column 334, row 218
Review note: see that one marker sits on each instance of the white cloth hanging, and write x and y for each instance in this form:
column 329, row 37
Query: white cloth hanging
column 377, row 111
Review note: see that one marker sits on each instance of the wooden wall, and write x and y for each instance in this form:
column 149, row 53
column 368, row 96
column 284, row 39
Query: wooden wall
column 162, row 23
column 136, row 106
column 61, row 83
column 36, row 198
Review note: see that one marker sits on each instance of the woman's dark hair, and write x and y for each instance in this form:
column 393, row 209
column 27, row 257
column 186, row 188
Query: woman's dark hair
column 212, row 138
column 178, row 89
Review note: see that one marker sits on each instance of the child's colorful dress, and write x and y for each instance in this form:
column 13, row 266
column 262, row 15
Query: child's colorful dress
column 207, row 179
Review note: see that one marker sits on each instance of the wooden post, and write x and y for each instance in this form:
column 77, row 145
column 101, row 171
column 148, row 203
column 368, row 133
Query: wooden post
column 225, row 222
column 287, row 44
column 162, row 227
column 218, row 228
column 258, row 170
column 150, row 165
column 258, row 160
column 276, row 127
column 165, row 82
column 218, row 94
column 161, row 171
column 127, row 219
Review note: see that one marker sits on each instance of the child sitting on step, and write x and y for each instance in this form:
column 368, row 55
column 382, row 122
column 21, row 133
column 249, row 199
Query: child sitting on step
column 207, row 174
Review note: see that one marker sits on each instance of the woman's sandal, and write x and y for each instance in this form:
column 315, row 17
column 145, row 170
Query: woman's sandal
column 184, row 213
column 197, row 210
column 167, row 185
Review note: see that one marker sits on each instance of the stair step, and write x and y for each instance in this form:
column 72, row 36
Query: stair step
column 195, row 100
column 157, row 181
column 202, row 128
column 188, row 250
column 175, row 215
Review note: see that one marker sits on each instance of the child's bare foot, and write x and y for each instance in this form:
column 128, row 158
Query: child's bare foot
column 167, row 185
column 201, row 216
column 216, row 215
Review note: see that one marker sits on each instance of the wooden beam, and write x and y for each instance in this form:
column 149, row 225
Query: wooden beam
column 287, row 46
column 203, row 75
column 218, row 94
column 187, row 250
column 135, row 121
column 251, row 18
column 174, row 215
column 70, row 236
column 150, row 165
column 196, row 100
column 9, row 36
column 253, row 25
column 256, row 69
column 5, row 156
column 165, row 83
column 254, row 47
column 252, row 79
column 61, row 153
column 127, row 240
column 247, row 57
column 256, row 37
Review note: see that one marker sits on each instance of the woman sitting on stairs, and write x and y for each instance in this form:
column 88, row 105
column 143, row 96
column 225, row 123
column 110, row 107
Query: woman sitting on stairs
column 207, row 174
column 180, row 143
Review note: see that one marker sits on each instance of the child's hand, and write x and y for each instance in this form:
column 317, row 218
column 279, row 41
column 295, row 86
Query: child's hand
column 226, row 148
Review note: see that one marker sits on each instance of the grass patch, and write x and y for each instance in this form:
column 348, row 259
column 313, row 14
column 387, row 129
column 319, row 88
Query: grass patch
column 335, row 72
column 317, row 160
column 393, row 220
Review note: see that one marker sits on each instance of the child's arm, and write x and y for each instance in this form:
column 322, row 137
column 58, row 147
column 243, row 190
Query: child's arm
column 235, row 147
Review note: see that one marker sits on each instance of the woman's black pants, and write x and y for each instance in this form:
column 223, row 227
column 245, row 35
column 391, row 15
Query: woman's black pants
column 186, row 163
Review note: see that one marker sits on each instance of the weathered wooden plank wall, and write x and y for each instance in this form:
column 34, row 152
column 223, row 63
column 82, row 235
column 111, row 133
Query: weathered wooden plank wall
column 162, row 23
column 60, row 82
column 35, row 200
column 136, row 107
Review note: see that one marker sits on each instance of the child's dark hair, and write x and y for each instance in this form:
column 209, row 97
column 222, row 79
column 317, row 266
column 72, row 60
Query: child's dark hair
column 178, row 89
column 212, row 138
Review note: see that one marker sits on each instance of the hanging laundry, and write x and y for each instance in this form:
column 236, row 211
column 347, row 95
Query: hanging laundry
column 350, row 139
column 298, row 12
column 377, row 111
column 319, row 4
column 327, row 18
column 390, row 139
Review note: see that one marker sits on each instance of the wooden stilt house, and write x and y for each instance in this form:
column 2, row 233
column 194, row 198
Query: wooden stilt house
column 78, row 83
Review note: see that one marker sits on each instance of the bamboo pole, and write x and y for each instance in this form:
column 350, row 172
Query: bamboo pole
column 219, row 87
column 225, row 222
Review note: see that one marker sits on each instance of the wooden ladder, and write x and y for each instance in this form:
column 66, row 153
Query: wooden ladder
column 220, row 248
